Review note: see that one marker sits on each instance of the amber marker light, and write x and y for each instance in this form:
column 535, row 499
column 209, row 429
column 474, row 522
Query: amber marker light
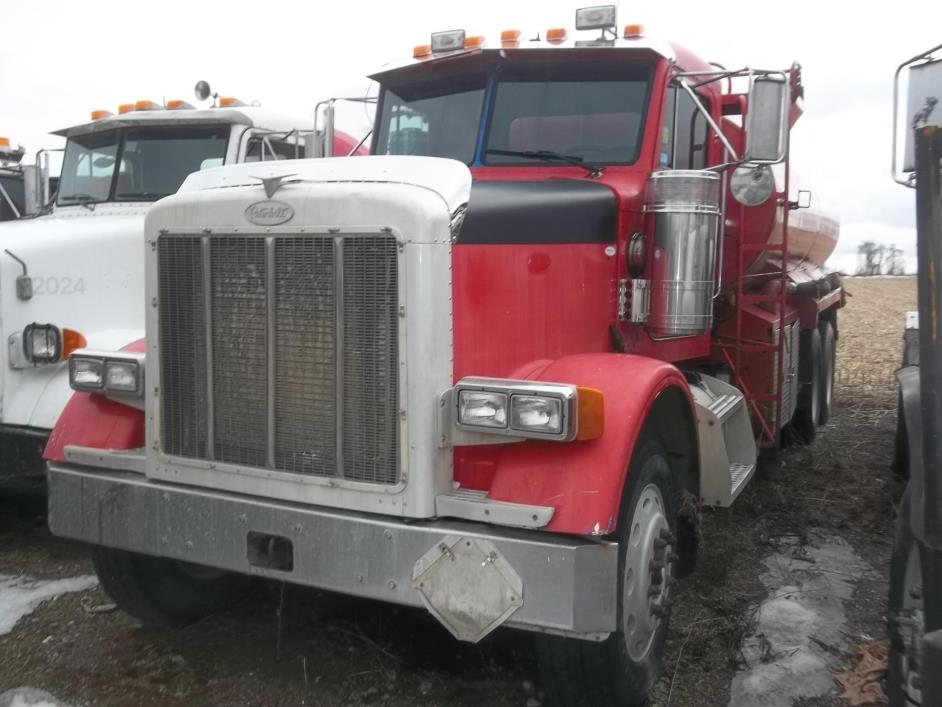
column 591, row 414
column 475, row 41
column 556, row 35
column 230, row 102
column 178, row 104
column 146, row 105
column 510, row 37
column 125, row 108
column 633, row 31
column 101, row 114
column 422, row 51
column 72, row 341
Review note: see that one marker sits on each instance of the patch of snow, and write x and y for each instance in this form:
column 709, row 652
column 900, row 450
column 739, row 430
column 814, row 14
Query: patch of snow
column 29, row 697
column 798, row 639
column 20, row 596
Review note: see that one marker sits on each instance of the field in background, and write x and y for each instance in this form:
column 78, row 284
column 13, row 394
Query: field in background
column 871, row 332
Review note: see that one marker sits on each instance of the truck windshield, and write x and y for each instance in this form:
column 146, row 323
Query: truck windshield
column 577, row 110
column 435, row 119
column 573, row 112
column 137, row 164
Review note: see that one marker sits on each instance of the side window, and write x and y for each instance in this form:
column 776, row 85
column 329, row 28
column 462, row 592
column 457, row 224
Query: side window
column 262, row 149
column 688, row 148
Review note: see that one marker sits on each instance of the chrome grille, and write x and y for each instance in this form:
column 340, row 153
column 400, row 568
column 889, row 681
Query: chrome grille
column 281, row 352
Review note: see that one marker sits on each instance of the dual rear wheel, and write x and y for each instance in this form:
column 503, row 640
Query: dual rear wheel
column 817, row 359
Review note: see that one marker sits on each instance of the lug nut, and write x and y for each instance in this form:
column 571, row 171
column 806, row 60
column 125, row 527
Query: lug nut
column 659, row 543
column 656, row 564
column 667, row 535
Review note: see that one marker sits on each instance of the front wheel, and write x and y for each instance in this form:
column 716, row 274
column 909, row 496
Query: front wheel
column 163, row 592
column 622, row 669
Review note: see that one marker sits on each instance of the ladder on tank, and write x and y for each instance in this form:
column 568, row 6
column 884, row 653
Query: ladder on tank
column 769, row 420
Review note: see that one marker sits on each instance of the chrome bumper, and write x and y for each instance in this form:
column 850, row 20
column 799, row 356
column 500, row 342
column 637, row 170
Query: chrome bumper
column 525, row 579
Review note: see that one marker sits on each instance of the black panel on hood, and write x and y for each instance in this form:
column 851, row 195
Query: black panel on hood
column 550, row 211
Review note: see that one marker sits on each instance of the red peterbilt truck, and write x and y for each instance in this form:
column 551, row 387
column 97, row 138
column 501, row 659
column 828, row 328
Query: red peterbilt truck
column 493, row 370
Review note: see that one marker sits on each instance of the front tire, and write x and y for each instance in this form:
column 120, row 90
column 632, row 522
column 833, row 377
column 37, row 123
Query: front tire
column 622, row 669
column 163, row 592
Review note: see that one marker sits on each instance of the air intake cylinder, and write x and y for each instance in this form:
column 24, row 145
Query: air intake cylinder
column 684, row 211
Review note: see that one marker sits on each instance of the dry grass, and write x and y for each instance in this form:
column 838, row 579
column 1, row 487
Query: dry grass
column 871, row 332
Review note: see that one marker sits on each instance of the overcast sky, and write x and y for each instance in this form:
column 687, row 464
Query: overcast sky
column 59, row 60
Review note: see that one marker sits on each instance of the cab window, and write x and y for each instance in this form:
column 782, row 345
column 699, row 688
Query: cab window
column 688, row 148
column 264, row 149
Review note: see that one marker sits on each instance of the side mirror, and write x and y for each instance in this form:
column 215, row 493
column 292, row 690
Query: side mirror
column 767, row 120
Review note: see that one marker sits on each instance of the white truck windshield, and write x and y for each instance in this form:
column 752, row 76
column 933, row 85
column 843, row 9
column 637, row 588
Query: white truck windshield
column 137, row 164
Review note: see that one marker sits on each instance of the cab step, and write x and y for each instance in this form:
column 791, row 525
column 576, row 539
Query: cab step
column 727, row 442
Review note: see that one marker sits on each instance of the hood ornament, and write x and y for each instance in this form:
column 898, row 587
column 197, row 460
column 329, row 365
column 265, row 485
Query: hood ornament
column 273, row 184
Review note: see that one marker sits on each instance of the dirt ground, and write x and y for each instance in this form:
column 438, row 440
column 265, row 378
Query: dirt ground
column 288, row 646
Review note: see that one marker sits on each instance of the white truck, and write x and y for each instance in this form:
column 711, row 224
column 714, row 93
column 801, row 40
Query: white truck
column 11, row 181
column 72, row 275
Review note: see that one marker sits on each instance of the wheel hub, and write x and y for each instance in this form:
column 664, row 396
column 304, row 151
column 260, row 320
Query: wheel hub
column 647, row 573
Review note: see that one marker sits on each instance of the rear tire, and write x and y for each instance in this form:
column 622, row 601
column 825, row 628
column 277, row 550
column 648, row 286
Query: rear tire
column 622, row 669
column 163, row 592
column 828, row 367
column 804, row 423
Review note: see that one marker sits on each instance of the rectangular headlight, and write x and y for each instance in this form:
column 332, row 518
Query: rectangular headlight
column 42, row 343
column 122, row 376
column 529, row 409
column 535, row 413
column 598, row 17
column 86, row 373
column 480, row 408
column 104, row 372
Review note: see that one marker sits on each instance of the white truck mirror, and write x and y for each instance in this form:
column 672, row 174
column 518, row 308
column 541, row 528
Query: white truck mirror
column 767, row 120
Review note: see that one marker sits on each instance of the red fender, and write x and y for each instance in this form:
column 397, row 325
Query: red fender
column 92, row 420
column 583, row 481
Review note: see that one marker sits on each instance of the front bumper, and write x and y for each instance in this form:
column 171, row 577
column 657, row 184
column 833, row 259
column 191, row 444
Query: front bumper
column 526, row 579
column 21, row 453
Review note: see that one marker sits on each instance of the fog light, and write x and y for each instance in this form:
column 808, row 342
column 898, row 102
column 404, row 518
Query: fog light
column 42, row 343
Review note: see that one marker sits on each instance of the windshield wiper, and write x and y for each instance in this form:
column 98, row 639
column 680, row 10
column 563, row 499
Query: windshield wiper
column 86, row 200
column 143, row 195
column 550, row 156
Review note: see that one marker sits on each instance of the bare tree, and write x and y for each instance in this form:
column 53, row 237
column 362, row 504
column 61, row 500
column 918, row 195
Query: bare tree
column 894, row 263
column 871, row 257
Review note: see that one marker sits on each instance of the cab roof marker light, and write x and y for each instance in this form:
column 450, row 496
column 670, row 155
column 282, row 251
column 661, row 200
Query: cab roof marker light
column 125, row 108
column 230, row 102
column 510, row 37
column 474, row 42
column 633, row 31
column 147, row 105
column 101, row 114
column 422, row 51
column 178, row 104
column 4, row 142
column 598, row 17
column 449, row 41
column 556, row 35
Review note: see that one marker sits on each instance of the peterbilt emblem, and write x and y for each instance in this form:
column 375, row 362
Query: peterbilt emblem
column 273, row 184
column 269, row 213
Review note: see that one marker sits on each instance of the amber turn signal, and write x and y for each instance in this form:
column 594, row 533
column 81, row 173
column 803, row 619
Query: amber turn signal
column 591, row 414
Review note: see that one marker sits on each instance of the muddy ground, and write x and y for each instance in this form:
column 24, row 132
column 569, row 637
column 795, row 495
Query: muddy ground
column 288, row 646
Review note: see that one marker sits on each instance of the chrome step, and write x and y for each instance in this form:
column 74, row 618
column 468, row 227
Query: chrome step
column 739, row 475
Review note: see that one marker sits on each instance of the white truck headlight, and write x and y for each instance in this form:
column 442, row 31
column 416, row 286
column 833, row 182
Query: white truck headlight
column 482, row 408
column 86, row 373
column 121, row 374
column 42, row 343
column 533, row 410
column 533, row 413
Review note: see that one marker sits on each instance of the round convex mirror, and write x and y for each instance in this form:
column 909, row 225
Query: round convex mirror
column 752, row 184
column 202, row 91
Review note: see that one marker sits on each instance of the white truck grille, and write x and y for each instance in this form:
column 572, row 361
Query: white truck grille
column 281, row 352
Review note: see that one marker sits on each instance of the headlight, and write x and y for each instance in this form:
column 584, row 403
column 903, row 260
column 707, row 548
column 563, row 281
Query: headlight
column 532, row 413
column 42, row 343
column 86, row 373
column 482, row 408
column 122, row 376
column 94, row 372
column 552, row 411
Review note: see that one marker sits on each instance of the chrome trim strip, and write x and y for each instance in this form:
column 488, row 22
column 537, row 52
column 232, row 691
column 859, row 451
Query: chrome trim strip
column 270, row 346
column 208, row 323
column 338, row 353
column 132, row 460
